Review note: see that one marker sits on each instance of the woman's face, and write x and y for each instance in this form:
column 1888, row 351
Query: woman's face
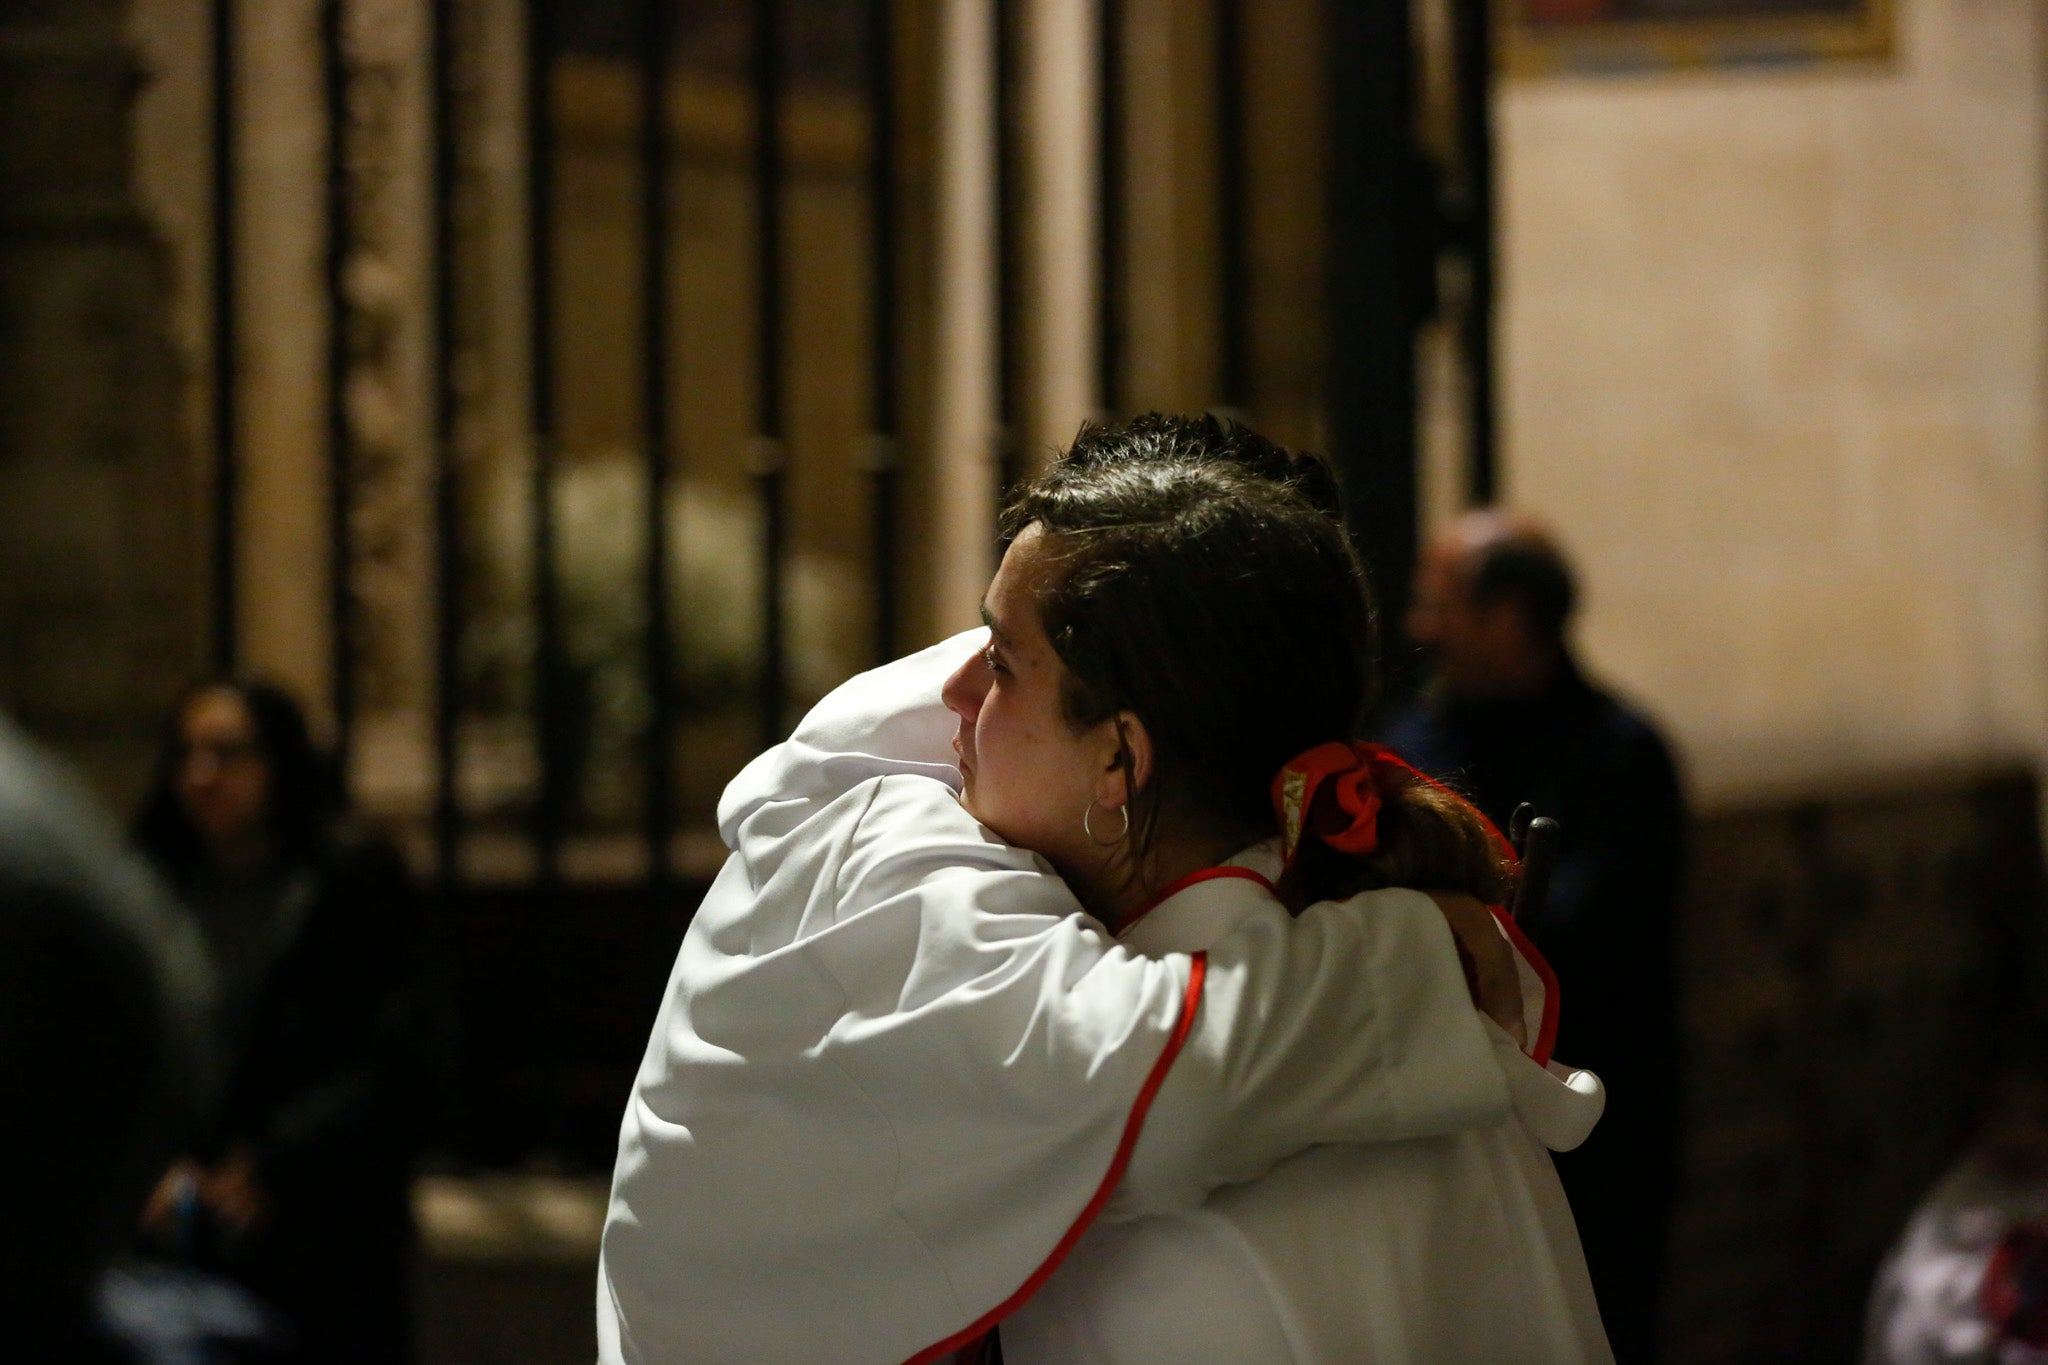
column 223, row 780
column 1028, row 775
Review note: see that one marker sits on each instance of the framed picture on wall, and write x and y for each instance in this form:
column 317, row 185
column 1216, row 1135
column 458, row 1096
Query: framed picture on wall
column 1546, row 36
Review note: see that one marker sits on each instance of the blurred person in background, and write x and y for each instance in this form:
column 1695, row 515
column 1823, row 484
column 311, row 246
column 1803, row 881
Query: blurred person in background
column 1967, row 1282
column 103, row 996
column 298, row 1187
column 1509, row 717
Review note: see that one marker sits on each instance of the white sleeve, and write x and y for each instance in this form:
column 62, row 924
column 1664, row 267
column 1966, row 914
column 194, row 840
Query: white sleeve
column 1350, row 1023
column 887, row 721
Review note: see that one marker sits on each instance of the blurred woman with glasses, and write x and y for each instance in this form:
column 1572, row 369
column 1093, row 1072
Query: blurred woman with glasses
column 299, row 1186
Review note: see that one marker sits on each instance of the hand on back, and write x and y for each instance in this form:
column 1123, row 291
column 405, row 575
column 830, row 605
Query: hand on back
column 1490, row 971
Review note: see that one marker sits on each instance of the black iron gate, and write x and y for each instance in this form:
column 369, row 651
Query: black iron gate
column 1393, row 217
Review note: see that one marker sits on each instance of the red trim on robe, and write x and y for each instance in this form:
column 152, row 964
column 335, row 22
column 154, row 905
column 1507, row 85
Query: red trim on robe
column 1546, row 1032
column 1198, row 969
column 1175, row 887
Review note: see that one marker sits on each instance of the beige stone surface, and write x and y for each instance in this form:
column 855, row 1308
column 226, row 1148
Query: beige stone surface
column 282, row 548
column 1169, row 246
column 99, row 563
column 1773, row 348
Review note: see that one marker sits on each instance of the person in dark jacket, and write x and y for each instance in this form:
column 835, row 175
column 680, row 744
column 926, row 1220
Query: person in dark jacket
column 103, row 993
column 1510, row 717
column 301, row 1183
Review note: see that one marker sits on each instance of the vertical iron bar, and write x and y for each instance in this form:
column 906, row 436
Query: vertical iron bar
column 447, row 521
column 552, row 795
column 1008, row 212
column 882, row 379
column 1233, row 255
column 340, row 451
column 226, row 342
column 659, row 812
column 1473, row 40
column 770, row 459
column 1109, row 205
column 1379, row 265
column 550, row 804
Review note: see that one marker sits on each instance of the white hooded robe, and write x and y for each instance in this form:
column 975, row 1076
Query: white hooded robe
column 1449, row 1248
column 897, row 1071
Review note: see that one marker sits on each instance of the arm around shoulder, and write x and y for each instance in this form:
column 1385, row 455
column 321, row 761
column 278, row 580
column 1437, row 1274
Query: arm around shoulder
column 1350, row 1023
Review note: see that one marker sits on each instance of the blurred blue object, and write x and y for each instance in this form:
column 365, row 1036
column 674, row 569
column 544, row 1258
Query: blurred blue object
column 173, row 1315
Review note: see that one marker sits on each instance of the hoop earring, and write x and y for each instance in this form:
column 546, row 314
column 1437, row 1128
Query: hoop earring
column 1087, row 828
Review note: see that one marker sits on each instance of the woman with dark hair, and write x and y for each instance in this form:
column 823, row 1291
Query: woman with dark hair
column 902, row 1067
column 1181, row 650
column 238, row 779
column 299, row 1186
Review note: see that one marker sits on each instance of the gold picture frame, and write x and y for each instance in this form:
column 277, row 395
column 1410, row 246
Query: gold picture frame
column 1592, row 37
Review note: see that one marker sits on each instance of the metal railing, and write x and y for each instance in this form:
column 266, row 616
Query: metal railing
column 1387, row 225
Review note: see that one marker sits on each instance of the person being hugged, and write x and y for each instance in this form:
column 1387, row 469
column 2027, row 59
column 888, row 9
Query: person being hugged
column 904, row 1065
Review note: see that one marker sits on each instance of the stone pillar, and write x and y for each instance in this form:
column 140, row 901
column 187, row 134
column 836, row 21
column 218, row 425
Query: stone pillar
column 964, row 387
column 1170, row 220
column 100, row 556
column 281, row 558
column 1057, row 87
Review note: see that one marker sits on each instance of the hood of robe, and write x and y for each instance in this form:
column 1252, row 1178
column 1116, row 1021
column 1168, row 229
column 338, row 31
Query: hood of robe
column 819, row 1160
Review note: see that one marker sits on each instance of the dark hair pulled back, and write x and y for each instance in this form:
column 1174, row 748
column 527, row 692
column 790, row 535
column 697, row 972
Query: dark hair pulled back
column 1429, row 837
column 1530, row 572
column 305, row 796
column 1202, row 579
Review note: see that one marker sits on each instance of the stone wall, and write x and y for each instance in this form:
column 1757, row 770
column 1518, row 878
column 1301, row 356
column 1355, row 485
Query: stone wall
column 1856, row 968
column 1773, row 352
column 100, row 556
column 1772, row 359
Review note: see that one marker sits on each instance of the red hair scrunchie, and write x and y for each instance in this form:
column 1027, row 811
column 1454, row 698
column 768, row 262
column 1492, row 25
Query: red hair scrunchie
column 1330, row 792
